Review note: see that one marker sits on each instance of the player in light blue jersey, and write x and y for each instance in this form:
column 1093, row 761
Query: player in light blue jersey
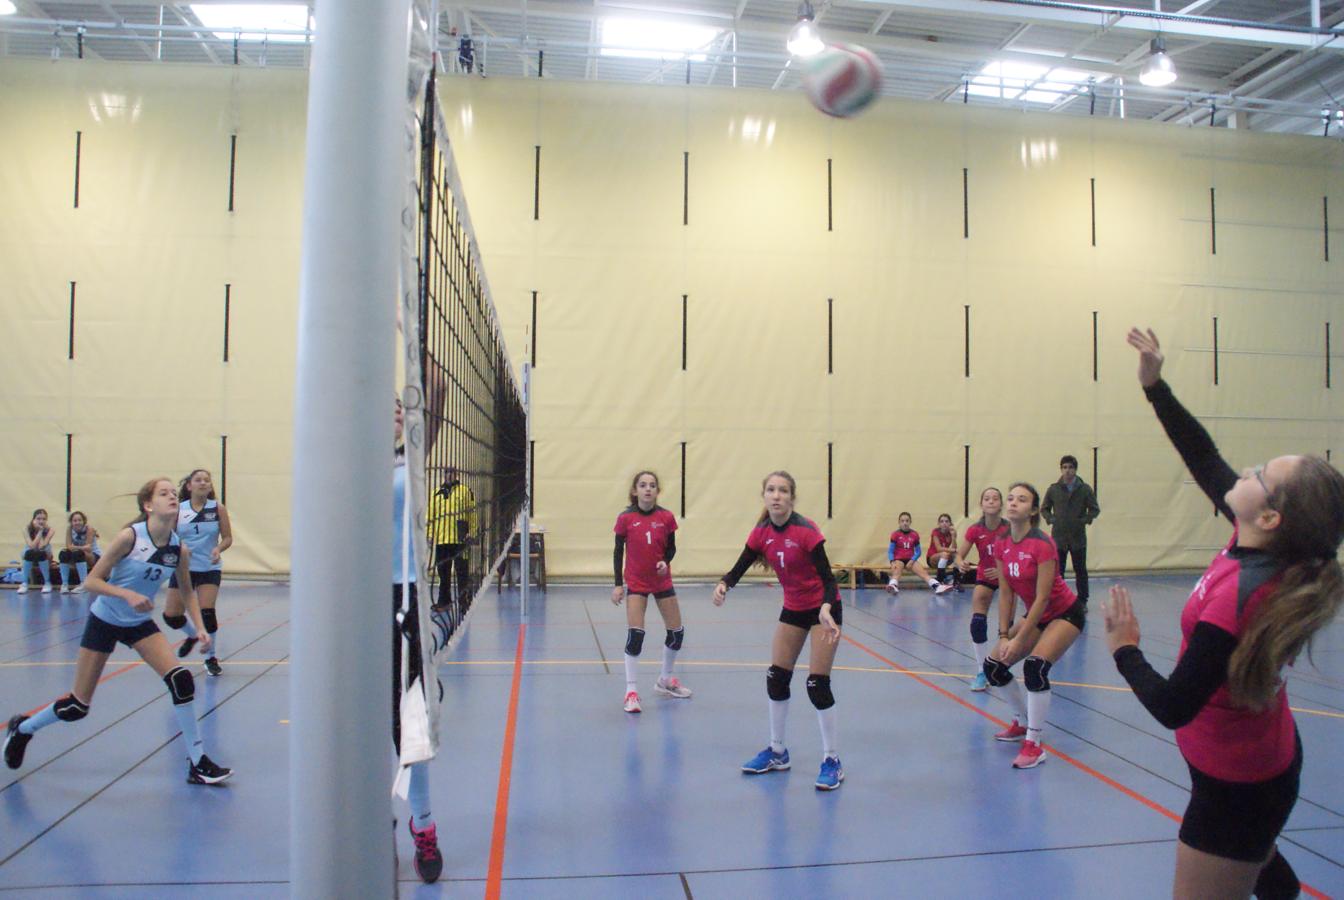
column 203, row 525
column 125, row 582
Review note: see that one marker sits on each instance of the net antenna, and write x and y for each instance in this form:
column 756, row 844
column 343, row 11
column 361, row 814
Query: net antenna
column 465, row 426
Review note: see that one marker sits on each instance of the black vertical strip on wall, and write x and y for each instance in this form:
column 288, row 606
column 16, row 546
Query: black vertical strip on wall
column 1327, row 454
column 1094, row 212
column 541, row 62
column 965, row 203
column 79, row 141
column 1213, row 222
column 1215, row 349
column 224, row 469
column 688, row 70
column 966, row 480
column 1327, row 355
column 69, row 454
column 683, row 479
column 1096, row 475
column 532, row 476
column 967, row 330
column 830, row 478
column 1325, row 225
column 228, row 290
column 233, row 161
column 534, row 329
column 536, row 185
column 830, row 335
column 830, row 221
column 685, row 187
column 1094, row 345
column 684, row 304
column 71, row 352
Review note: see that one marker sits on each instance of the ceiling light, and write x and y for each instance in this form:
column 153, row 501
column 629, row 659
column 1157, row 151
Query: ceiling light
column 254, row 21
column 1159, row 70
column 805, row 39
column 7, row 8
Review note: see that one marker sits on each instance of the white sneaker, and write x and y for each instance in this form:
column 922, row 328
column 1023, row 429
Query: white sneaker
column 632, row 702
column 78, row 589
column 892, row 587
column 46, row 589
column 942, row 589
column 65, row 589
column 23, row 588
column 671, row 687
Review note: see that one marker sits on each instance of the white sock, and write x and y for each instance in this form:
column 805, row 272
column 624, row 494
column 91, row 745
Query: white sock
column 779, row 713
column 933, row 582
column 669, row 657
column 826, row 718
column 1038, row 706
column 1017, row 696
column 981, row 651
column 631, row 664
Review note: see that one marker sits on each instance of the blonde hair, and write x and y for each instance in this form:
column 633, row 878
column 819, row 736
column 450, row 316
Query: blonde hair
column 143, row 496
column 793, row 491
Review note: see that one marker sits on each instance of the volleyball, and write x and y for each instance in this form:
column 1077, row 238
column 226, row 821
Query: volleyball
column 842, row 79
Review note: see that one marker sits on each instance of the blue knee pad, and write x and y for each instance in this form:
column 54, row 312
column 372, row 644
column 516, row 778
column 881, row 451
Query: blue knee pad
column 979, row 628
column 634, row 641
column 1036, row 673
column 819, row 691
column 996, row 673
column 777, row 682
column 673, row 641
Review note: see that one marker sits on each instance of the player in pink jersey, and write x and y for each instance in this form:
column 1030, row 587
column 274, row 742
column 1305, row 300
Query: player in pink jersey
column 796, row 550
column 982, row 536
column 1274, row 586
column 1028, row 567
column 903, row 552
column 648, row 533
column 943, row 552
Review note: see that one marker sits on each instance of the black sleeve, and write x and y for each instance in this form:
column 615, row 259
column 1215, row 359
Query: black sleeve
column 740, row 567
column 1175, row 700
column 670, row 550
column 830, row 591
column 618, row 560
column 1212, row 473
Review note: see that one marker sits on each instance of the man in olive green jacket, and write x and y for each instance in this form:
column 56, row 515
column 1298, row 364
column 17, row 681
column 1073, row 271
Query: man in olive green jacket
column 1070, row 505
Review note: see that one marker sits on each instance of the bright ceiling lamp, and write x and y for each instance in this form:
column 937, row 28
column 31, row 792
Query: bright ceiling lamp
column 7, row 8
column 805, row 39
column 254, row 21
column 656, row 39
column 1159, row 70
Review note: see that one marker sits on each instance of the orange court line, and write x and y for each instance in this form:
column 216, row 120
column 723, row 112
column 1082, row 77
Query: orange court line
column 495, row 875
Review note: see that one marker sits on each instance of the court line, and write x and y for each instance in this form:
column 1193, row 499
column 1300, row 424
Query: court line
column 496, row 870
column 596, row 640
column 1078, row 764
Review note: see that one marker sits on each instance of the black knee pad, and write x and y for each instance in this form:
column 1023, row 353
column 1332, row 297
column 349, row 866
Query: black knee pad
column 70, row 708
column 1277, row 880
column 673, row 641
column 70, row 556
column 996, row 673
column 777, row 683
column 1036, row 673
column 174, row 621
column 634, row 641
column 33, row 556
column 819, row 691
column 979, row 629
column 181, row 685
column 209, row 620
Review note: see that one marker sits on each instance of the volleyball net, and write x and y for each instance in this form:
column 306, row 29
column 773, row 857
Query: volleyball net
column 465, row 423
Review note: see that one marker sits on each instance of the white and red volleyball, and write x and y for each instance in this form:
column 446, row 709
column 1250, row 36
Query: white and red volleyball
column 842, row 79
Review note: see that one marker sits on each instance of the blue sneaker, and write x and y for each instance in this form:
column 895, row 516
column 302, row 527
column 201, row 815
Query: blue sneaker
column 766, row 760
column 830, row 776
column 978, row 683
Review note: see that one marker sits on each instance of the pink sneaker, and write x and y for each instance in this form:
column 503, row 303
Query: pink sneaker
column 671, row 687
column 428, row 859
column 1014, row 732
column 1030, row 756
column 942, row 589
column 632, row 702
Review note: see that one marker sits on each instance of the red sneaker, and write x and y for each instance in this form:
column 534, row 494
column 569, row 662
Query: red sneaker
column 428, row 859
column 1030, row 756
column 1014, row 732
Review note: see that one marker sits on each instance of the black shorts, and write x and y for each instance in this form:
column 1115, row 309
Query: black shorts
column 198, row 579
column 102, row 637
column 992, row 585
column 657, row 595
column 1240, row 820
column 1075, row 615
column 31, row 555
column 807, row 619
column 409, row 627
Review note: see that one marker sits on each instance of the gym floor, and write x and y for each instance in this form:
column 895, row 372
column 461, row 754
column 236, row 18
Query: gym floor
column 586, row 801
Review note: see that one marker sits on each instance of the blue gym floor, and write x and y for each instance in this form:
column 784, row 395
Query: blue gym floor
column 605, row 804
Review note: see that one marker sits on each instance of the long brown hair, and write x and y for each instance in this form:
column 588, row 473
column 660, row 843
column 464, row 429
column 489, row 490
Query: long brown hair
column 793, row 492
column 1310, row 590
column 634, row 498
column 184, row 486
column 143, row 496
column 1035, row 501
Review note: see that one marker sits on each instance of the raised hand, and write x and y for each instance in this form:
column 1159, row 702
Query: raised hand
column 1150, row 355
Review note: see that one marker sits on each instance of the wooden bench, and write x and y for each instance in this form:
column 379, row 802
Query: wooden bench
column 847, row 574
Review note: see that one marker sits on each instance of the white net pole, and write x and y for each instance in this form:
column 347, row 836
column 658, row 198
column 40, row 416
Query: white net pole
column 340, row 836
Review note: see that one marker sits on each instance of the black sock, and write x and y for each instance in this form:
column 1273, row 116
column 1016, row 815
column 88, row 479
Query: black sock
column 1277, row 880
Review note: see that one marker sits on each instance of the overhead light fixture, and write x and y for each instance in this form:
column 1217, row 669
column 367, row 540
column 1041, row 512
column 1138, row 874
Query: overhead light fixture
column 7, row 8
column 1159, row 70
column 805, row 39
